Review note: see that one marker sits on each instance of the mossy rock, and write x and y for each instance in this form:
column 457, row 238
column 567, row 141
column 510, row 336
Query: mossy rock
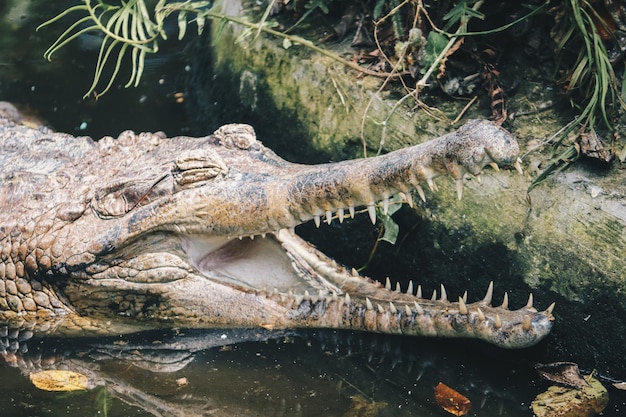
column 564, row 241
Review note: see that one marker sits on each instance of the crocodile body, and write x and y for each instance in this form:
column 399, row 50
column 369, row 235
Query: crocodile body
column 145, row 231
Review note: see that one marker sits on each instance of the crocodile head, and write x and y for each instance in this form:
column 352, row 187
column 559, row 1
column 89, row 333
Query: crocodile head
column 198, row 232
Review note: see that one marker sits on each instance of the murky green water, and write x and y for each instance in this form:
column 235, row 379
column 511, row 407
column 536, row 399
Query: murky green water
column 221, row 373
column 321, row 373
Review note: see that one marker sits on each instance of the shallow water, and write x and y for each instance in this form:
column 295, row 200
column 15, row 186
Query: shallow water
column 313, row 373
column 264, row 373
column 205, row 373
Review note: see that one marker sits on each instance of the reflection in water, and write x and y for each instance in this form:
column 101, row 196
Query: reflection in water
column 262, row 373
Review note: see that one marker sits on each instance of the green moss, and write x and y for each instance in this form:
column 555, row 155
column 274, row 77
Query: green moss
column 561, row 243
column 330, row 102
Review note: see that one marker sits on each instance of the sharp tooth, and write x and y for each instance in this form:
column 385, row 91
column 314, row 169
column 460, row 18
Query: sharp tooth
column 505, row 301
column 368, row 304
column 487, row 299
column 387, row 283
column 409, row 289
column 372, row 212
column 347, row 299
column 481, row 316
column 529, row 304
column 462, row 306
column 465, row 296
column 317, row 220
column 518, row 166
column 251, row 237
column 307, row 296
column 409, row 199
column 380, row 308
column 431, row 184
column 444, row 294
column 398, row 289
column 263, row 235
column 329, row 216
column 527, row 324
column 407, row 310
column 494, row 166
column 392, row 308
column 420, row 191
column 434, row 297
column 419, row 291
column 385, row 205
column 340, row 215
column 418, row 308
column 334, row 295
column 498, row 322
column 354, row 272
column 479, row 178
column 550, row 308
column 351, row 210
column 459, row 188
column 240, row 237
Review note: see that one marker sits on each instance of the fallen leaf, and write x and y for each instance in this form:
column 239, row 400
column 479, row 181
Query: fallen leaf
column 592, row 146
column 570, row 402
column 565, row 373
column 451, row 401
column 57, row 380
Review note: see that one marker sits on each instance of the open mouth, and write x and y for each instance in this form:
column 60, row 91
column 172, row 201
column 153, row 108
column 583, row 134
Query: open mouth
column 278, row 261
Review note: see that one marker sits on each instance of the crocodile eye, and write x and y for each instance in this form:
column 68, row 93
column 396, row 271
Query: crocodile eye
column 120, row 198
column 236, row 136
column 197, row 166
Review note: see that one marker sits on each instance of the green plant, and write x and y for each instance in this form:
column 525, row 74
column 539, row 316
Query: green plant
column 126, row 26
column 590, row 79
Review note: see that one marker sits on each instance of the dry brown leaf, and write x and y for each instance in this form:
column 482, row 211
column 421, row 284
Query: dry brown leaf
column 592, row 146
column 451, row 401
column 58, row 380
column 566, row 373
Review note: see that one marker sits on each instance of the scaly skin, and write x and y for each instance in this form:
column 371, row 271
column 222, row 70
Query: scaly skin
column 144, row 231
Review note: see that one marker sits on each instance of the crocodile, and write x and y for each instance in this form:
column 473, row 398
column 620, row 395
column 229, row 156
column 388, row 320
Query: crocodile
column 144, row 231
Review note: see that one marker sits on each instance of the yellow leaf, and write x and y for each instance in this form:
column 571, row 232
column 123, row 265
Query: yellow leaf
column 560, row 401
column 59, row 380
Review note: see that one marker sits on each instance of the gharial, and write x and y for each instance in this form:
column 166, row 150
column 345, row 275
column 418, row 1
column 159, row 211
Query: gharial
column 144, row 231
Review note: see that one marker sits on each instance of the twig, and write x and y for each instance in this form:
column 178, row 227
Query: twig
column 462, row 30
column 467, row 106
